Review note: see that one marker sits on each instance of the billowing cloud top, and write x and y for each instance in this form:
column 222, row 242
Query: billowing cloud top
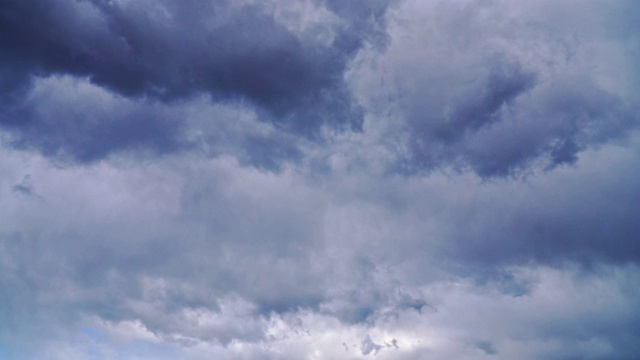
column 293, row 179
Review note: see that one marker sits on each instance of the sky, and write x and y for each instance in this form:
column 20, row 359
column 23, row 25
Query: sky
column 319, row 179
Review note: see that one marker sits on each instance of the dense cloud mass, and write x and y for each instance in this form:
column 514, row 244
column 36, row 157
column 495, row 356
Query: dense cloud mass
column 319, row 179
column 290, row 72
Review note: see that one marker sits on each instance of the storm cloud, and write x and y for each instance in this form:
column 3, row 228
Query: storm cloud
column 293, row 179
column 291, row 72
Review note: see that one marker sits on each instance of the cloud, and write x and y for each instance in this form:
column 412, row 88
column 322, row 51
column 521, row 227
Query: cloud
column 494, row 97
column 205, row 256
column 26, row 188
column 318, row 178
column 166, row 51
column 73, row 121
column 368, row 346
column 487, row 347
column 490, row 87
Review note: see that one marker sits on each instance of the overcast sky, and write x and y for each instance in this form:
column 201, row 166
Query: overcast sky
column 319, row 179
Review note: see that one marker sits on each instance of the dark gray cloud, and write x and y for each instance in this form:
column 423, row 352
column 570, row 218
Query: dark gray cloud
column 369, row 347
column 438, row 133
column 171, row 50
column 487, row 347
column 25, row 187
column 70, row 121
column 554, row 225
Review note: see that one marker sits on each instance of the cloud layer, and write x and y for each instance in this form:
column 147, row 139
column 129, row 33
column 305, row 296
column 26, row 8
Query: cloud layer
column 319, row 179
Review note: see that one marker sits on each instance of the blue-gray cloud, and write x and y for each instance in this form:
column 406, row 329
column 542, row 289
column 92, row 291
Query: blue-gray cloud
column 274, row 179
column 172, row 50
column 504, row 96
